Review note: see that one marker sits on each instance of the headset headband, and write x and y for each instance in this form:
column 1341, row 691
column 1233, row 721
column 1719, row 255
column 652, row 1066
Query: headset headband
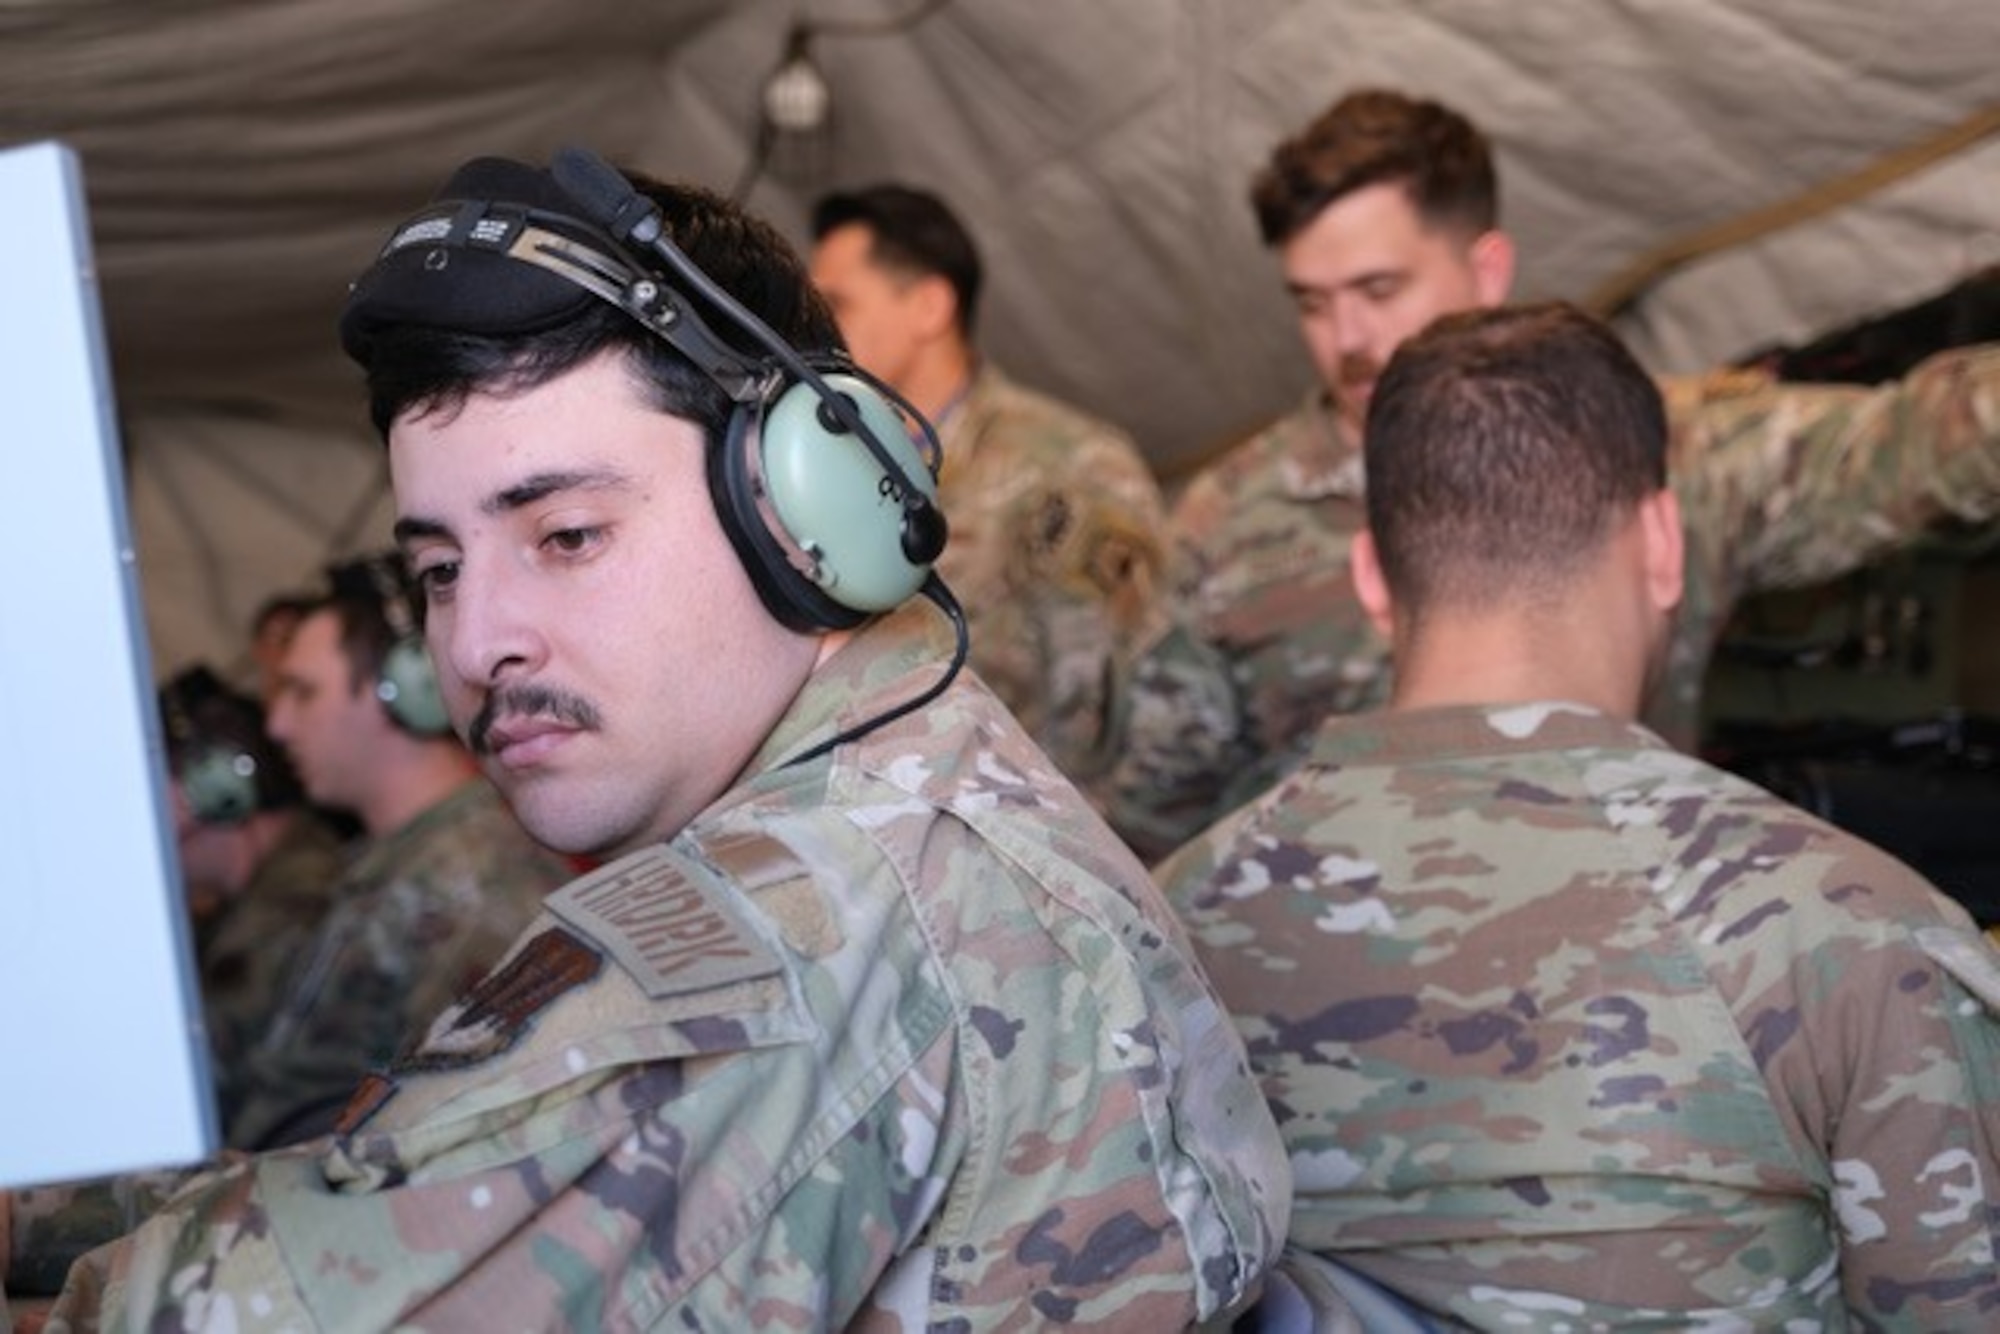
column 800, row 469
column 501, row 251
column 813, row 457
column 577, row 253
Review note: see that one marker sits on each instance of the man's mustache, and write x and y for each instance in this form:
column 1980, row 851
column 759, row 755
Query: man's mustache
column 530, row 701
column 1359, row 368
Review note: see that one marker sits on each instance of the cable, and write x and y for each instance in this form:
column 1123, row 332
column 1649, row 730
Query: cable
column 934, row 588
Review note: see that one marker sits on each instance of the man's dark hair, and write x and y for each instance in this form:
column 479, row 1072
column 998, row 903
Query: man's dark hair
column 199, row 712
column 435, row 361
column 358, row 594
column 1501, row 448
column 911, row 232
column 279, row 606
column 1378, row 137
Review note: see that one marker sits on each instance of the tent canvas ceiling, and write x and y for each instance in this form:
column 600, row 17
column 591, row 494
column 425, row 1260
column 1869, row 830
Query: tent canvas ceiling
column 243, row 160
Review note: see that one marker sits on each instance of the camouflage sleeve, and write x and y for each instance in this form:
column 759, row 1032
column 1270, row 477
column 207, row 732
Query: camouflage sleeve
column 1796, row 484
column 382, row 968
column 1264, row 637
column 341, row 1016
column 248, row 959
column 52, row 1226
column 797, row 1144
column 1178, row 720
column 582, row 1213
column 1180, row 732
column 1914, row 1140
column 242, row 990
column 1081, row 573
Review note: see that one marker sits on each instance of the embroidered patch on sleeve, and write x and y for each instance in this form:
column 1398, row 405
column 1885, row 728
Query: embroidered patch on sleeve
column 370, row 1095
column 484, row 1021
column 491, row 1017
column 673, row 934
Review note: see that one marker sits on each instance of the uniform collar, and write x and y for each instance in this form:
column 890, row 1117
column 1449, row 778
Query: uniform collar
column 883, row 664
column 1388, row 737
column 961, row 422
column 1317, row 456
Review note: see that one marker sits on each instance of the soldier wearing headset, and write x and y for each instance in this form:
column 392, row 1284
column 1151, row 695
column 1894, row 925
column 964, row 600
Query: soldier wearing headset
column 864, row 1014
column 260, row 864
column 440, row 881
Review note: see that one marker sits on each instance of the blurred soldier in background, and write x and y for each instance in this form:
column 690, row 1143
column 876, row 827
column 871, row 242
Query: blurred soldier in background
column 1384, row 212
column 260, row 865
column 442, row 881
column 1564, row 1027
column 1056, row 521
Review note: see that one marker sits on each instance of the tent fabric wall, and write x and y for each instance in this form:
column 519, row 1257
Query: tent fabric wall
column 1910, row 240
column 245, row 157
column 230, row 507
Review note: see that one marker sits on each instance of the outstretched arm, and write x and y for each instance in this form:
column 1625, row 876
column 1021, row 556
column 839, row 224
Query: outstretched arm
column 1797, row 484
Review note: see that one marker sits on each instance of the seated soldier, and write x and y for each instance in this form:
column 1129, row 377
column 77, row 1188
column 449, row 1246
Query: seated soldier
column 866, row 1017
column 1057, row 523
column 271, row 627
column 1564, row 1028
column 443, row 879
column 260, row 865
column 1384, row 213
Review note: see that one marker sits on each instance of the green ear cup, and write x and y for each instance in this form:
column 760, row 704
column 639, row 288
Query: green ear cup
column 835, row 501
column 408, row 688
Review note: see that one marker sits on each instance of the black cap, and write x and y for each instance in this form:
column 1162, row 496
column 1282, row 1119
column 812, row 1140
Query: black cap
column 447, row 267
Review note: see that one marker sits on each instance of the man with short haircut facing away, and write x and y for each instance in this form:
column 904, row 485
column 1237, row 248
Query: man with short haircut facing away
column 1563, row 1027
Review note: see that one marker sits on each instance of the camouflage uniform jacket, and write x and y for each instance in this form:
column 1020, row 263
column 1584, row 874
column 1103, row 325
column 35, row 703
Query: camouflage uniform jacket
column 247, row 955
column 899, row 1037
column 1057, row 543
column 420, row 914
column 1259, row 637
column 1781, row 485
column 1566, row 1029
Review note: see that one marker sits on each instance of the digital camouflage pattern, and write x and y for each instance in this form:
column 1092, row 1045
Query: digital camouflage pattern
column 1056, row 551
column 1565, row 1029
column 1780, row 485
column 420, row 914
column 247, row 954
column 897, row 1038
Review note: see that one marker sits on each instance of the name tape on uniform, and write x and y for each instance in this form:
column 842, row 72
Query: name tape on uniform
column 670, row 932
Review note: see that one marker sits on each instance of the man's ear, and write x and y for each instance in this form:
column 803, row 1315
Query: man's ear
column 1364, row 566
column 1492, row 257
column 1666, row 548
column 933, row 306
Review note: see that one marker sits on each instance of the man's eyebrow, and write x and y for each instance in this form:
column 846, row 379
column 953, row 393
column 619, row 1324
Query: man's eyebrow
column 538, row 486
column 541, row 485
column 409, row 530
column 1299, row 287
